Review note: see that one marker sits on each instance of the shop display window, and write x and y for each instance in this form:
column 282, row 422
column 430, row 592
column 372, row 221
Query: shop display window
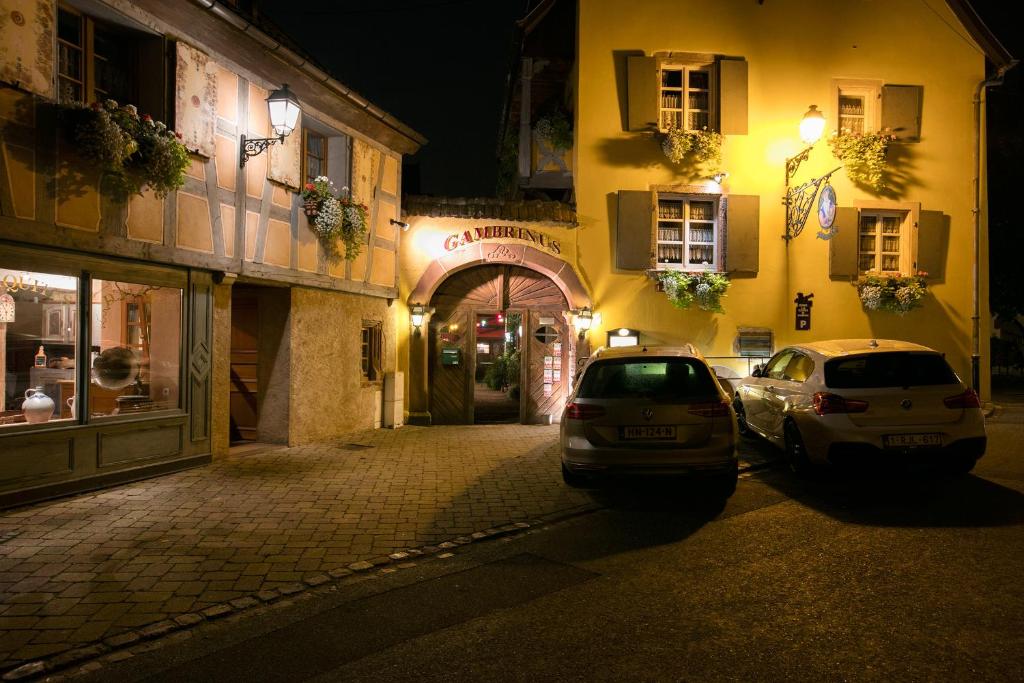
column 38, row 347
column 135, row 348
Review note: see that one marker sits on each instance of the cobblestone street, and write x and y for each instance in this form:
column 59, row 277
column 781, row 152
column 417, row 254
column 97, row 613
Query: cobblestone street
column 104, row 565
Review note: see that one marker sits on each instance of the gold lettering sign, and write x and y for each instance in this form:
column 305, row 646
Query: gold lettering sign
column 502, row 232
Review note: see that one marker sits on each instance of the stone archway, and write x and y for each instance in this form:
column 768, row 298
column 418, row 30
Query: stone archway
column 560, row 272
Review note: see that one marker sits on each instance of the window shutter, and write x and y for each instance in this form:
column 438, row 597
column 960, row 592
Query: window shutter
column 642, row 82
column 742, row 231
column 154, row 84
column 633, row 230
column 195, row 99
column 932, row 244
column 901, row 111
column 842, row 248
column 28, row 46
column 732, row 84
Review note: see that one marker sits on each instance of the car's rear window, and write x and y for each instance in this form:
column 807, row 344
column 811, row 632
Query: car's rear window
column 889, row 369
column 663, row 379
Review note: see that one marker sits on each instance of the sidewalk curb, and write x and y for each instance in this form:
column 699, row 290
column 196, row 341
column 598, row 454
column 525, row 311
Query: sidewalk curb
column 93, row 656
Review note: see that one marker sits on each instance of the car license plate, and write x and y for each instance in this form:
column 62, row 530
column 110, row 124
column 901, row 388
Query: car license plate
column 911, row 440
column 649, row 432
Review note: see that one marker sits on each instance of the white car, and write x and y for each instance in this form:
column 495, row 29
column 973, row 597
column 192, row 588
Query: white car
column 863, row 401
column 648, row 411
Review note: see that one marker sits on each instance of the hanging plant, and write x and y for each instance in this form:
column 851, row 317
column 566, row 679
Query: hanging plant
column 686, row 289
column 334, row 219
column 697, row 146
column 863, row 156
column 896, row 293
column 133, row 151
column 555, row 129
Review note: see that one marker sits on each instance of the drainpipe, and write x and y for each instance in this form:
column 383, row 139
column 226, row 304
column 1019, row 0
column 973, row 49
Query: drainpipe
column 976, row 213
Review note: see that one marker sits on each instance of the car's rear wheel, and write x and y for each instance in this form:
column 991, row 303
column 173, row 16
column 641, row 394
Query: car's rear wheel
column 741, row 417
column 796, row 451
column 573, row 479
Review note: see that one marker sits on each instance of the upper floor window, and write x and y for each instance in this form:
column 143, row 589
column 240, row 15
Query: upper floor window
column 325, row 152
column 95, row 60
column 685, row 97
column 687, row 236
column 857, row 105
column 883, row 242
column 314, row 155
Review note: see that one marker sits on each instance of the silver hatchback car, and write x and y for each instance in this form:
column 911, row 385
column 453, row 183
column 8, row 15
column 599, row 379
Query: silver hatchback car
column 648, row 410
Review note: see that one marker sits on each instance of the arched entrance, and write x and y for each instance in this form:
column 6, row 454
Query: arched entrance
column 492, row 315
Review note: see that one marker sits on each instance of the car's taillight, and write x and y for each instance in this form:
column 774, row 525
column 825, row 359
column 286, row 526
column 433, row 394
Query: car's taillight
column 714, row 409
column 583, row 411
column 968, row 399
column 828, row 404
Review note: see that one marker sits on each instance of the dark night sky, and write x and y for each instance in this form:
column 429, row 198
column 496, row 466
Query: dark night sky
column 440, row 66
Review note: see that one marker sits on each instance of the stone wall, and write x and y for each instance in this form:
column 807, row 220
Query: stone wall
column 329, row 396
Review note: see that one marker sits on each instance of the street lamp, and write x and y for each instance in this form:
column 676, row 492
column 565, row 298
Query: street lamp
column 284, row 115
column 798, row 200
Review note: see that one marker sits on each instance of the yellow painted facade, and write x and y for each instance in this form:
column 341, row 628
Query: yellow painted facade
column 794, row 50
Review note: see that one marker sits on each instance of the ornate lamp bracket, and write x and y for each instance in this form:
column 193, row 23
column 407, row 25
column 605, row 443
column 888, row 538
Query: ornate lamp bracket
column 254, row 146
column 799, row 201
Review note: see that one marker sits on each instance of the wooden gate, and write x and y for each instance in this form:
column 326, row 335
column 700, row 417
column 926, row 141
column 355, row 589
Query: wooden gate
column 492, row 289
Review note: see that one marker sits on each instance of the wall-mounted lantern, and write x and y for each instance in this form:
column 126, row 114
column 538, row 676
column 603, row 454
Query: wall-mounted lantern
column 798, row 200
column 284, row 115
column 417, row 312
column 583, row 319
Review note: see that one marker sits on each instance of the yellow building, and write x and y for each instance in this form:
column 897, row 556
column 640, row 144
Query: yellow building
column 630, row 78
column 142, row 334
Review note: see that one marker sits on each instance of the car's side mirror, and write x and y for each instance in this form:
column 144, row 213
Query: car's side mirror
column 756, row 372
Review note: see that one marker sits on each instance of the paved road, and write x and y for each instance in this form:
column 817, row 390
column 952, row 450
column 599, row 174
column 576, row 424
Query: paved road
column 141, row 559
column 910, row 576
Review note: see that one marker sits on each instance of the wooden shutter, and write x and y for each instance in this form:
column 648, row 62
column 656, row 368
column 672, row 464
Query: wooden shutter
column 154, row 83
column 195, row 99
column 732, row 93
column 901, row 111
column 633, row 230
column 842, row 248
column 742, row 232
column 28, row 44
column 932, row 244
column 642, row 82
column 286, row 160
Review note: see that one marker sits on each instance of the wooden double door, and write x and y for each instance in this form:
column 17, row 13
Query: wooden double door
column 543, row 335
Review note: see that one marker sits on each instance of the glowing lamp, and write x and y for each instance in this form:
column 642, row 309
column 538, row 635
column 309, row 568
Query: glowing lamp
column 812, row 125
column 284, row 116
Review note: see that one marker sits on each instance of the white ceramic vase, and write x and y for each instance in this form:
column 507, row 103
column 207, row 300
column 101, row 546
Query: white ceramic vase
column 38, row 407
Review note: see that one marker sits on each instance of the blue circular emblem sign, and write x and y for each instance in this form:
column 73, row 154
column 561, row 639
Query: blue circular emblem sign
column 827, row 207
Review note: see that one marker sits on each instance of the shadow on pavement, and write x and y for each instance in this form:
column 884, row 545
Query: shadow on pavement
column 907, row 498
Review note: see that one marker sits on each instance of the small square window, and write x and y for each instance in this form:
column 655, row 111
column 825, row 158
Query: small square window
column 883, row 242
column 687, row 233
column 685, row 97
column 372, row 351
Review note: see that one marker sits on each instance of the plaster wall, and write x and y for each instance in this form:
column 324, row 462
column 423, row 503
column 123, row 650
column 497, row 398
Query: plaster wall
column 329, row 397
column 794, row 49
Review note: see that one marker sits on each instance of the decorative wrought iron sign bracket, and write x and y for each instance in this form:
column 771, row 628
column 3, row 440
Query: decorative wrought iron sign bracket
column 798, row 200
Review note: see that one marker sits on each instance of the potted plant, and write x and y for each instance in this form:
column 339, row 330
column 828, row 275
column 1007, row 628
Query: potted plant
column 695, row 146
column 333, row 218
column 686, row 289
column 894, row 293
column 133, row 151
column 863, row 156
column 555, row 129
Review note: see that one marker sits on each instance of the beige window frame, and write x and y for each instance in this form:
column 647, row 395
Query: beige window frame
column 687, row 226
column 856, row 105
column 884, row 241
column 678, row 97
